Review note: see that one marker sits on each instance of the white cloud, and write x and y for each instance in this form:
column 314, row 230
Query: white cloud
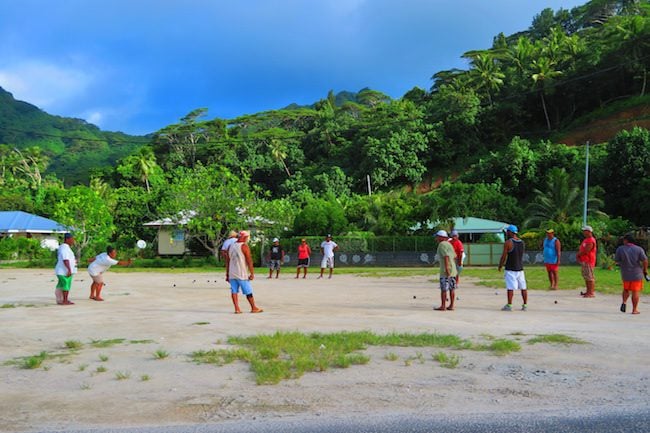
column 46, row 85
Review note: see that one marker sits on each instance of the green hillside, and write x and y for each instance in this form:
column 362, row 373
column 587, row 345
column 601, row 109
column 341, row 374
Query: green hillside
column 75, row 149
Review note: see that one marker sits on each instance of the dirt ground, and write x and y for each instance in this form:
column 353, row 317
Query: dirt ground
column 181, row 313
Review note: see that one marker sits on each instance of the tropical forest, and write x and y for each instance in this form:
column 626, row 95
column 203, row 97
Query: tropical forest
column 514, row 137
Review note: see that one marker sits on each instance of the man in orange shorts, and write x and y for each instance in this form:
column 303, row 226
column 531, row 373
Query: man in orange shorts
column 633, row 262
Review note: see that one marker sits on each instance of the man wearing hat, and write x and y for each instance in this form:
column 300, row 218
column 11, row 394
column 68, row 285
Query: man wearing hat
column 513, row 260
column 448, row 272
column 66, row 267
column 275, row 258
column 552, row 251
column 327, row 247
column 240, row 272
column 587, row 258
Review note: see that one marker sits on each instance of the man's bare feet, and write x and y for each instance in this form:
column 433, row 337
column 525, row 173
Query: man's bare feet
column 636, row 312
column 68, row 303
column 257, row 310
column 237, row 311
column 440, row 309
column 92, row 297
column 450, row 308
column 99, row 299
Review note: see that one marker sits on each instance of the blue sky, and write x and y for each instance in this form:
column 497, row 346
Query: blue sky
column 138, row 65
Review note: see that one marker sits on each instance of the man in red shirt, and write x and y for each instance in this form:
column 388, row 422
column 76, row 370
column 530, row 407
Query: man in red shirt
column 587, row 258
column 458, row 248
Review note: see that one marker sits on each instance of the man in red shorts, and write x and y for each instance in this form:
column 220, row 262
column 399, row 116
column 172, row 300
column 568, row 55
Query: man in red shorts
column 587, row 258
column 633, row 262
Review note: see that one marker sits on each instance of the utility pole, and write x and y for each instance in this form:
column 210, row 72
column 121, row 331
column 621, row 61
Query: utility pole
column 369, row 189
column 584, row 210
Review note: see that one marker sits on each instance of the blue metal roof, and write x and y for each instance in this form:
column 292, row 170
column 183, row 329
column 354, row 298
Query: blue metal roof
column 23, row 222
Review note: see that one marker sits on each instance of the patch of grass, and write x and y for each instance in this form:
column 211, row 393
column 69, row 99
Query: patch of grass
column 391, row 356
column 517, row 333
column 73, row 344
column 34, row 361
column 103, row 358
column 500, row 346
column 8, row 306
column 107, row 343
column 82, row 367
column 220, row 356
column 141, row 341
column 145, row 378
column 289, row 355
column 201, row 323
column 160, row 354
column 122, row 375
column 556, row 339
column 447, row 361
column 101, row 369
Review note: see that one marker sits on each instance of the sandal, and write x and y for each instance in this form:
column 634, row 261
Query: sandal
column 623, row 308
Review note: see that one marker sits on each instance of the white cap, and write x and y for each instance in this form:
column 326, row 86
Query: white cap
column 276, row 240
column 442, row 233
column 588, row 228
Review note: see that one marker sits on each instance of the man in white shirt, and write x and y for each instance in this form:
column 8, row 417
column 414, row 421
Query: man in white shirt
column 100, row 264
column 66, row 267
column 327, row 247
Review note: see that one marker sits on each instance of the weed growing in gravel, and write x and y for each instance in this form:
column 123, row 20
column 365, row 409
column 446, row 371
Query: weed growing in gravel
column 556, row 339
column 122, row 375
column 391, row 356
column 160, row 354
column 107, row 343
column 103, row 358
column 447, row 361
column 73, row 344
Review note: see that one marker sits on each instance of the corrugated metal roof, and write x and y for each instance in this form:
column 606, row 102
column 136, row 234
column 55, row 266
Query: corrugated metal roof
column 478, row 225
column 23, row 222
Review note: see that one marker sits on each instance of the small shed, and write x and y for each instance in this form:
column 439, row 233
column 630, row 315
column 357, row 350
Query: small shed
column 473, row 227
column 19, row 223
column 171, row 234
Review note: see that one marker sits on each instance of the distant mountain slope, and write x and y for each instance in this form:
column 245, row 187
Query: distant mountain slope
column 75, row 147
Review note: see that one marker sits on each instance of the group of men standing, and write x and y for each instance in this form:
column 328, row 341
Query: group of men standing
column 239, row 263
column 631, row 259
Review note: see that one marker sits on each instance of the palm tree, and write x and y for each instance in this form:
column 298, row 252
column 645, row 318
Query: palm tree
column 559, row 202
column 145, row 165
column 486, row 73
column 279, row 153
column 545, row 73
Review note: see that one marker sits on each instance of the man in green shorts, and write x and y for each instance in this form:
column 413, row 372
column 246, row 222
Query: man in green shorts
column 66, row 267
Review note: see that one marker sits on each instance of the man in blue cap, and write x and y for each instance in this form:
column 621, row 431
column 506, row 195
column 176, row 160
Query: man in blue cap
column 513, row 260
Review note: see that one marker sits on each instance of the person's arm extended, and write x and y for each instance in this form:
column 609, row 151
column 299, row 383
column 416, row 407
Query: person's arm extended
column 125, row 262
column 558, row 248
column 249, row 261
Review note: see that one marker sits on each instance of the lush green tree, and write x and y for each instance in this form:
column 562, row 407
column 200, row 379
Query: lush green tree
column 319, row 217
column 89, row 217
column 213, row 199
column 625, row 174
column 560, row 202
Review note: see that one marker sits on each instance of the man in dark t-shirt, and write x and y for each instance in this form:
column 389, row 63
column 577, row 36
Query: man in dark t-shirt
column 275, row 257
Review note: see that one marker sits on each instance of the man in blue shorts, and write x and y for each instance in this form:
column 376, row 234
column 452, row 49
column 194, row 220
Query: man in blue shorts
column 240, row 272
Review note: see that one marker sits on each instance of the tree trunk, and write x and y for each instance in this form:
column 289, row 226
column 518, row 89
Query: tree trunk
column 548, row 121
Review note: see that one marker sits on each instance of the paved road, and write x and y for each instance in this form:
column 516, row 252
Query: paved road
column 622, row 421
